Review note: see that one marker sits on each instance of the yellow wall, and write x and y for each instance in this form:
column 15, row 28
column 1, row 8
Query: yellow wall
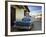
column 19, row 13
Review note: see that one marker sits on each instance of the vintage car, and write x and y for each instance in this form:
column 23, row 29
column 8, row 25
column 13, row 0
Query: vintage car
column 26, row 24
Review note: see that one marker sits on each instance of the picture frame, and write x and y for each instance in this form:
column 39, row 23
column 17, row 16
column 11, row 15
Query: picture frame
column 8, row 18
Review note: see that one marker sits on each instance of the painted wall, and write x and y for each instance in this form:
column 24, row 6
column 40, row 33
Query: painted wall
column 19, row 13
column 27, row 0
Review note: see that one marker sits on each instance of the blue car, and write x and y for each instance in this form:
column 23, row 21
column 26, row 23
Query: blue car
column 24, row 24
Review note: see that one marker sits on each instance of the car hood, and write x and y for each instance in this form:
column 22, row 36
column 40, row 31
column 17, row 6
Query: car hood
column 23, row 23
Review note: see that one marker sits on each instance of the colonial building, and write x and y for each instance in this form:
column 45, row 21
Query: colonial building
column 18, row 12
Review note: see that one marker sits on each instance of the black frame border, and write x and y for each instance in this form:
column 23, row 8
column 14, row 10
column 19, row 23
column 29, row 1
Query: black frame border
column 6, row 18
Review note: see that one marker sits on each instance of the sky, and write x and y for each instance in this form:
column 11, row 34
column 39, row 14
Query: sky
column 34, row 10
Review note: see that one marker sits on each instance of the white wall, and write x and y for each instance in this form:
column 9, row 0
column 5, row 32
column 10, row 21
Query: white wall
column 27, row 0
column 19, row 13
